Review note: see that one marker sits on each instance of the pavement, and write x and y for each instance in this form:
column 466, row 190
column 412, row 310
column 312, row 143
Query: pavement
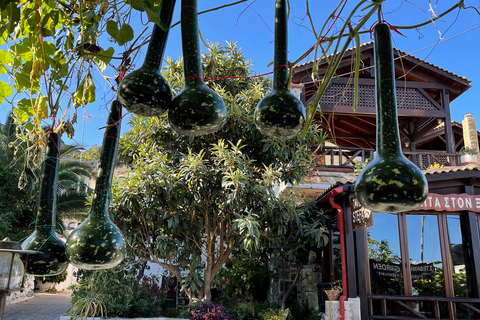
column 42, row 306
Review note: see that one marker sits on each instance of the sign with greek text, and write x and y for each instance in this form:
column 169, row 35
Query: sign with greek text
column 361, row 217
column 451, row 202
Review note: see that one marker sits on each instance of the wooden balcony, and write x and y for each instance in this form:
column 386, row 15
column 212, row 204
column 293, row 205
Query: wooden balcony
column 346, row 157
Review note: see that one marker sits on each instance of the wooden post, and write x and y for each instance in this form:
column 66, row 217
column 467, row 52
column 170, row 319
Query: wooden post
column 448, row 122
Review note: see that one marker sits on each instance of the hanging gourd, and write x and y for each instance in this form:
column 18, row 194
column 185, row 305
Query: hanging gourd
column 197, row 110
column 52, row 259
column 280, row 115
column 145, row 91
column 390, row 183
column 97, row 243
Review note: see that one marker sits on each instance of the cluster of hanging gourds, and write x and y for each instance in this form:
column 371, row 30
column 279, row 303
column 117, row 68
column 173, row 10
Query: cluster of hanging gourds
column 198, row 110
column 390, row 183
column 96, row 243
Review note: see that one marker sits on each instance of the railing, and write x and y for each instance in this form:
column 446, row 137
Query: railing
column 348, row 157
column 408, row 308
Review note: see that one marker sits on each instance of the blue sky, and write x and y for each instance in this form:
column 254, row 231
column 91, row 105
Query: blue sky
column 452, row 43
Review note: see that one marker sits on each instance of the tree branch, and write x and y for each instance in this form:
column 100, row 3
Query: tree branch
column 214, row 9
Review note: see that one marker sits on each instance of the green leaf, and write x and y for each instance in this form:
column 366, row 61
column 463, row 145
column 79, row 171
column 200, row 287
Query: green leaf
column 13, row 17
column 153, row 17
column 5, row 90
column 122, row 35
column 112, row 29
column 5, row 58
column 69, row 41
column 25, row 105
column 125, row 34
column 136, row 4
column 104, row 57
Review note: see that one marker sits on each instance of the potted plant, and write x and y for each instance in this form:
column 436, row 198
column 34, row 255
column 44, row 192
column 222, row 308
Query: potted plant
column 467, row 155
column 334, row 291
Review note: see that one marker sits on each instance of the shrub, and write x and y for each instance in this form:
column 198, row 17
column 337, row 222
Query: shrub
column 210, row 311
column 249, row 310
column 115, row 293
column 276, row 314
column 244, row 278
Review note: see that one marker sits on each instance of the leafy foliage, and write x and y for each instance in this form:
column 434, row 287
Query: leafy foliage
column 243, row 278
column 117, row 293
column 19, row 170
column 382, row 251
column 56, row 55
column 187, row 197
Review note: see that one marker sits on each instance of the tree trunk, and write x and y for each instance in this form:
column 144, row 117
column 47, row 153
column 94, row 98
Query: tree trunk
column 141, row 270
column 285, row 297
column 208, row 278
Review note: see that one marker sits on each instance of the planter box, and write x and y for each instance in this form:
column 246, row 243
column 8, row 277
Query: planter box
column 352, row 309
column 468, row 158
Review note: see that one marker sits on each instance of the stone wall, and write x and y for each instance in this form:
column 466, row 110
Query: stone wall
column 27, row 292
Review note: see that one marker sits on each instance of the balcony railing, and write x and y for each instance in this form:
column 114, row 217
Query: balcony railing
column 408, row 308
column 347, row 157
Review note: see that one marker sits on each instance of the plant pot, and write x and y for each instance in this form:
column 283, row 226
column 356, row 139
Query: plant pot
column 333, row 295
column 468, row 158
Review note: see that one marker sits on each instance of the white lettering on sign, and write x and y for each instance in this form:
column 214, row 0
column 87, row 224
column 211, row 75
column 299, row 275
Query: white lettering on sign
column 451, row 202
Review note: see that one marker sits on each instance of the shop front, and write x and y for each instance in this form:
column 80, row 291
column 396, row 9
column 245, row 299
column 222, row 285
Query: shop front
column 422, row 264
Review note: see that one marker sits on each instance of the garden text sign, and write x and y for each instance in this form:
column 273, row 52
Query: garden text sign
column 451, row 202
column 391, row 270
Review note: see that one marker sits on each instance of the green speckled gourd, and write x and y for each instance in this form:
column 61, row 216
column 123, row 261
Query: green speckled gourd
column 97, row 243
column 52, row 259
column 197, row 110
column 280, row 115
column 390, row 183
column 145, row 91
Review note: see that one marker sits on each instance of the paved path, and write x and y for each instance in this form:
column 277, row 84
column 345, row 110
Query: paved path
column 41, row 307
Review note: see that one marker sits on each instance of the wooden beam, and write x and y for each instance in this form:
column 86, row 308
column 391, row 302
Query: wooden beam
column 448, row 122
column 344, row 109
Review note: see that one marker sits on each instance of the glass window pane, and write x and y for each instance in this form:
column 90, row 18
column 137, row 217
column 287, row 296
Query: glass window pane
column 426, row 266
column 336, row 267
column 425, row 255
column 386, row 276
column 458, row 252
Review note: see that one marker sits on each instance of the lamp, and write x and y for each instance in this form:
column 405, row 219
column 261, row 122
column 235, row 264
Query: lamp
column 12, row 270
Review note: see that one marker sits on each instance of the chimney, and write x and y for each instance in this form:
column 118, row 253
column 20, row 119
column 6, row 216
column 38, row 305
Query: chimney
column 470, row 136
column 296, row 89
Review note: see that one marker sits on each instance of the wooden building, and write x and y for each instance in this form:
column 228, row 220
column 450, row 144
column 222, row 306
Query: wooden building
column 422, row 264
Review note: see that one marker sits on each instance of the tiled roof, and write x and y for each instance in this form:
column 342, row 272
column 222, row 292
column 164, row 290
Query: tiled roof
column 368, row 45
column 468, row 167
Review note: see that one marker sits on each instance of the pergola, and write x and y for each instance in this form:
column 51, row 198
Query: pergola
column 424, row 93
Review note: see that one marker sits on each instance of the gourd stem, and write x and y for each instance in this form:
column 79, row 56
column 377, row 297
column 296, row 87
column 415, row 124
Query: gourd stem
column 388, row 137
column 192, row 64
column 48, row 185
column 280, row 60
column 107, row 163
column 158, row 39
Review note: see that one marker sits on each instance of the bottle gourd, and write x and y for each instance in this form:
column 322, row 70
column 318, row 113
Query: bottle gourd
column 280, row 115
column 97, row 243
column 145, row 91
column 390, row 183
column 52, row 259
column 197, row 110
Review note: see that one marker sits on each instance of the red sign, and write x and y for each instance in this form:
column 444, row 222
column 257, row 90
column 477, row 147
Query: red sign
column 451, row 202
